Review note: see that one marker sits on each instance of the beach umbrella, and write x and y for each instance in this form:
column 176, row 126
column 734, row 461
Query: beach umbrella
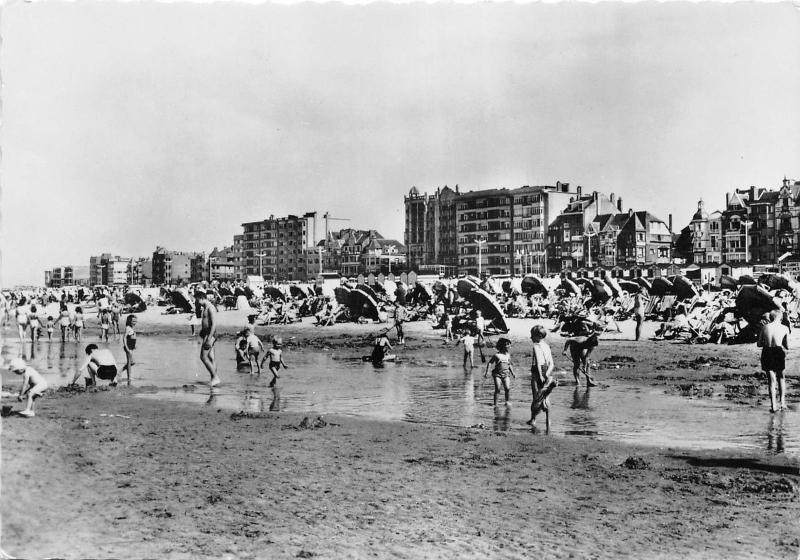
column 630, row 287
column 274, row 292
column 775, row 281
column 181, row 301
column 488, row 306
column 752, row 302
column 727, row 283
column 135, row 302
column 611, row 282
column 531, row 284
column 225, row 292
column 342, row 295
column 490, row 286
column 439, row 288
column 684, row 288
column 570, row 287
column 368, row 290
column 297, row 291
column 512, row 286
column 466, row 285
column 747, row 280
column 645, row 283
column 585, row 283
column 601, row 293
column 362, row 304
column 661, row 287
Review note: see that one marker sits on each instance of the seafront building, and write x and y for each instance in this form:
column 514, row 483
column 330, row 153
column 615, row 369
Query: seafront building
column 222, row 265
column 177, row 267
column 67, row 275
column 277, row 249
column 351, row 252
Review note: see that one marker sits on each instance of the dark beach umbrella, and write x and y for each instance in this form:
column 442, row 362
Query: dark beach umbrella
column 424, row 293
column 601, row 293
column 570, row 287
column 135, row 303
column 367, row 290
column 645, row 283
column 661, row 287
column 488, row 306
column 180, row 301
column 274, row 293
column 225, row 292
column 587, row 284
column 752, row 302
column 775, row 281
column 727, row 283
column 612, row 283
column 630, row 287
column 362, row 304
column 465, row 286
column 378, row 288
column 342, row 294
column 439, row 288
column 531, row 284
column 684, row 288
column 297, row 292
column 747, row 280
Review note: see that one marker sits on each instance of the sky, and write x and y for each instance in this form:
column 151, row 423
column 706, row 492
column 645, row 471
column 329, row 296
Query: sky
column 131, row 125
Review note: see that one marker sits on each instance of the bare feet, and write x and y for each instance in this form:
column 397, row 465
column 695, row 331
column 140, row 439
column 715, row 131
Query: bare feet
column 215, row 381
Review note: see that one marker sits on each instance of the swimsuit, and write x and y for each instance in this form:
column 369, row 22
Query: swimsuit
column 773, row 358
column 106, row 372
column 502, row 367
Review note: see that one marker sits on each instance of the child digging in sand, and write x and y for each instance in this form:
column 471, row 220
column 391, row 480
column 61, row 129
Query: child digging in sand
column 542, row 381
column 500, row 364
column 32, row 383
column 275, row 356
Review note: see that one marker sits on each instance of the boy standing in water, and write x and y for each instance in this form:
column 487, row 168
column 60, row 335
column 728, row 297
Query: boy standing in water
column 500, row 365
column 254, row 349
column 469, row 346
column 208, row 331
column 275, row 356
column 542, row 381
column 32, row 383
column 774, row 341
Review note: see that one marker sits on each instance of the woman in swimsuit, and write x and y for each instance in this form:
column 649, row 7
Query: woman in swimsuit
column 129, row 344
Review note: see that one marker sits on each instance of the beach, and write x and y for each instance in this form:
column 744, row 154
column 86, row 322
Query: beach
column 105, row 474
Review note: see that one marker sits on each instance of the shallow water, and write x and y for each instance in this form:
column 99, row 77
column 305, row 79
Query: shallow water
column 428, row 386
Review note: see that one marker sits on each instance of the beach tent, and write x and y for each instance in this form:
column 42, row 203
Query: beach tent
column 661, row 287
column 491, row 311
column 362, row 304
column 727, row 283
column 181, row 300
column 752, row 302
column 684, row 288
column 274, row 292
column 532, row 284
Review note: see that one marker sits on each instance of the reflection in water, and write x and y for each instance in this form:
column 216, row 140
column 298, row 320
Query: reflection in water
column 775, row 433
column 428, row 385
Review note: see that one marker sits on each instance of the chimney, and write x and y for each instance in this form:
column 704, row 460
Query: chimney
column 670, row 223
column 630, row 212
column 594, row 196
column 580, row 189
column 611, row 197
column 619, row 204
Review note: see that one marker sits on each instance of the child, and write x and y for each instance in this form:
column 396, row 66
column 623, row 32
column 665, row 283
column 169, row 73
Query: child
column 448, row 325
column 129, row 344
column 500, row 365
column 254, row 349
column 50, row 327
column 32, row 383
column 275, row 360
column 469, row 346
column 241, row 350
column 542, row 381
column 78, row 324
column 105, row 323
column 34, row 323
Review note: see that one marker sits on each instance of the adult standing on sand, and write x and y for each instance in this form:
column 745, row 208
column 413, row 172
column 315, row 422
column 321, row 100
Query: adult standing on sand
column 208, row 331
column 774, row 341
column 638, row 312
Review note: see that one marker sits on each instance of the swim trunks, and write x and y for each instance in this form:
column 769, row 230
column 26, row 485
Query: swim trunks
column 275, row 365
column 773, row 358
column 106, row 372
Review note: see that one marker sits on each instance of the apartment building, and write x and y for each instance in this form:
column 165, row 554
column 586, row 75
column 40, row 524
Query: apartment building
column 431, row 228
column 278, row 248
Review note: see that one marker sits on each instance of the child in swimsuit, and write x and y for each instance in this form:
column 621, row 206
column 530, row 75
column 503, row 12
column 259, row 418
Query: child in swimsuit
column 129, row 344
column 33, row 384
column 254, row 349
column 33, row 322
column 500, row 364
column 275, row 356
column 105, row 323
column 78, row 324
column 50, row 327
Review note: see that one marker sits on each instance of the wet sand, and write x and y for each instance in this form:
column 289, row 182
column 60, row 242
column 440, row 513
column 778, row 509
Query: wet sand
column 105, row 474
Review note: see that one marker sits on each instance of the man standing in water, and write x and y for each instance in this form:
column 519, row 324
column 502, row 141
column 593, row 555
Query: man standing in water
column 208, row 331
column 774, row 341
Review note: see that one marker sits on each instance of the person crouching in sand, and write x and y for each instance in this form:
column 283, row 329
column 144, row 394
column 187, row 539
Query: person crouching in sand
column 33, row 384
column 774, row 341
column 275, row 357
column 500, row 364
column 542, row 381
column 100, row 364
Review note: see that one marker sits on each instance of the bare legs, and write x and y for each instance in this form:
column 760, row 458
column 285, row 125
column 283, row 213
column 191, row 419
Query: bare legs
column 777, row 391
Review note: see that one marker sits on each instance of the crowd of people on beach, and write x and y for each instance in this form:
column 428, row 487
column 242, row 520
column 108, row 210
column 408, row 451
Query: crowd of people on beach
column 581, row 311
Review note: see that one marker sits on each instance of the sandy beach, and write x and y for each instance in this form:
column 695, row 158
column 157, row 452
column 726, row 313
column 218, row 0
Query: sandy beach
column 103, row 474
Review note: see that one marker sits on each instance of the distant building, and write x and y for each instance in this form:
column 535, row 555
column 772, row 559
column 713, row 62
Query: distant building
column 238, row 256
column 632, row 239
column 109, row 270
column 222, row 264
column 570, row 241
column 277, row 248
column 142, row 272
column 431, row 228
column 351, row 252
column 67, row 275
column 175, row 267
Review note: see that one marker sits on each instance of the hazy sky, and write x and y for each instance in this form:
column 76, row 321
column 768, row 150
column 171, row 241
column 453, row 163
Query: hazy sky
column 127, row 126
